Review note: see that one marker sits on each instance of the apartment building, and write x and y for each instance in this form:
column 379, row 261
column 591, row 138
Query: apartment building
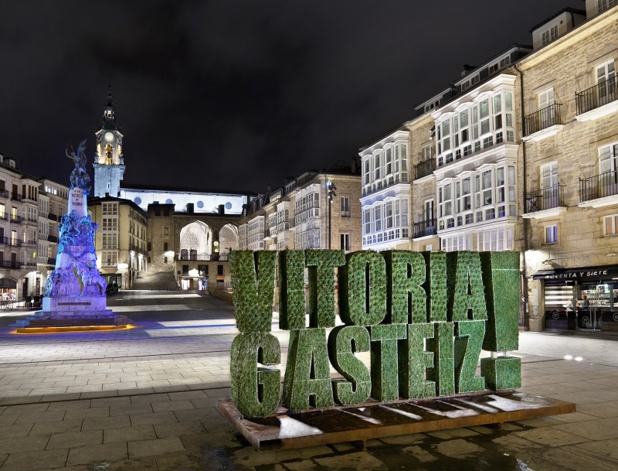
column 317, row 210
column 570, row 155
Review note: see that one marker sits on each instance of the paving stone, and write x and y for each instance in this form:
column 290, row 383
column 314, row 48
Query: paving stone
column 130, row 409
column 186, row 395
column 110, row 402
column 181, row 461
column 360, row 460
column 155, row 447
column 87, row 413
column 150, row 398
column 607, row 448
column 549, row 436
column 453, row 433
column 458, row 448
column 18, row 430
column 153, row 418
column 420, row 454
column 404, row 439
column 96, row 423
column 173, row 406
column 26, row 444
column 75, row 439
column 68, row 405
column 129, row 434
column 35, row 460
column 98, row 453
column 73, row 425
column 198, row 443
column 179, row 428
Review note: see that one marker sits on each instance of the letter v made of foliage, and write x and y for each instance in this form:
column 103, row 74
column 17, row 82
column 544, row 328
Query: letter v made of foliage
column 253, row 285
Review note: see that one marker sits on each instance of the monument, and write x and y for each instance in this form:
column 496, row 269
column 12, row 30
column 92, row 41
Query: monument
column 75, row 297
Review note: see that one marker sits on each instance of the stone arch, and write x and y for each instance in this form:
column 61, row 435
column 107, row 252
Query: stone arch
column 196, row 241
column 228, row 239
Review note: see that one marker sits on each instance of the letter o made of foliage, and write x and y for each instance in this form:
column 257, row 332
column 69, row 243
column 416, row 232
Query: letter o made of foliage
column 363, row 290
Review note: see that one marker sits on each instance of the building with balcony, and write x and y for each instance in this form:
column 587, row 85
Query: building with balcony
column 385, row 197
column 317, row 210
column 53, row 202
column 569, row 152
column 120, row 240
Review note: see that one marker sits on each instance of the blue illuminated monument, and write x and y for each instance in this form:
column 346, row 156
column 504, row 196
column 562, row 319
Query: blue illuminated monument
column 75, row 291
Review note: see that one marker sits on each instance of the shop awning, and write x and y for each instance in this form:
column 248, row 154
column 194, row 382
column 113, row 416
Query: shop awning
column 578, row 274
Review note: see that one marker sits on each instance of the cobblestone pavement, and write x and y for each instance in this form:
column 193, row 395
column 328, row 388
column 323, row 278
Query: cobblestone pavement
column 146, row 399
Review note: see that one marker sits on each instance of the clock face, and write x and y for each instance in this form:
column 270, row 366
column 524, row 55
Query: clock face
column 109, row 137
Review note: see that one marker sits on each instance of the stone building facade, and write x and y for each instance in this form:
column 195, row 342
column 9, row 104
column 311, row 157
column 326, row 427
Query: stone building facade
column 570, row 154
column 120, row 240
column 193, row 247
column 317, row 210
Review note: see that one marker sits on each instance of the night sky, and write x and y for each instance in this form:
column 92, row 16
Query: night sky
column 234, row 94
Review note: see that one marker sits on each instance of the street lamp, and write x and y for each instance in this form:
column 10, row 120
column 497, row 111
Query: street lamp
column 330, row 188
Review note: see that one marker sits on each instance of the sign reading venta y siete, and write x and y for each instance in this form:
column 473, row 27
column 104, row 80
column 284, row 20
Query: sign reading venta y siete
column 424, row 317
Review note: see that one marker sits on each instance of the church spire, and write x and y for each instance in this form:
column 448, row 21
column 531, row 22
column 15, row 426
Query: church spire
column 109, row 111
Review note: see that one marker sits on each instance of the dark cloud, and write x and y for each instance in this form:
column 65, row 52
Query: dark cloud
column 234, row 94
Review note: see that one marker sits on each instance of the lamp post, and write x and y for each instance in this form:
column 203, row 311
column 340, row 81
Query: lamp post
column 330, row 188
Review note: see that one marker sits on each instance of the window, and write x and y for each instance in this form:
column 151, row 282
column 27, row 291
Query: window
column 606, row 81
column 165, row 246
column 549, row 35
column 110, row 208
column 551, row 234
column 608, row 158
column 345, row 206
column 220, row 270
column 345, row 242
column 549, row 175
column 495, row 240
column 603, row 5
column 610, row 225
column 545, row 98
column 110, row 258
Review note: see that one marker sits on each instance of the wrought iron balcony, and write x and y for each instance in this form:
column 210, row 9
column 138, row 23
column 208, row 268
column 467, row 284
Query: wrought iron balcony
column 424, row 228
column 594, row 97
column 545, row 198
column 15, row 218
column 598, row 186
column 4, row 194
column 10, row 264
column 15, row 196
column 424, row 168
column 543, row 119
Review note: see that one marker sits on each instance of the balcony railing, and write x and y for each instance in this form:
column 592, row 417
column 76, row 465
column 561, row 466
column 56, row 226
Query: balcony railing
column 15, row 218
column 385, row 182
column 424, row 228
column 594, row 97
column 598, row 186
column 424, row 168
column 15, row 196
column 11, row 242
column 4, row 194
column 543, row 119
column 10, row 264
column 545, row 198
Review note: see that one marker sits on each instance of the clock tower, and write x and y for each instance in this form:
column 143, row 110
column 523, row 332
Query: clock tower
column 108, row 161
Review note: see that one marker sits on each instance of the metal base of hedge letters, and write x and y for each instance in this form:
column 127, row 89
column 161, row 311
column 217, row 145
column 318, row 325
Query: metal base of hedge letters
column 423, row 318
column 286, row 430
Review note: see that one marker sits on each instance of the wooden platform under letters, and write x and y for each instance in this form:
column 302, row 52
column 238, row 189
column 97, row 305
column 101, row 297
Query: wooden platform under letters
column 285, row 430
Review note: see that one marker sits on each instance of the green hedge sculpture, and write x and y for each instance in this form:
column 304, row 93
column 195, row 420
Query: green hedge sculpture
column 468, row 346
column 414, row 361
column 362, row 288
column 343, row 343
column 292, row 289
column 253, row 285
column 255, row 390
column 321, row 266
column 384, row 360
column 406, row 298
column 465, row 286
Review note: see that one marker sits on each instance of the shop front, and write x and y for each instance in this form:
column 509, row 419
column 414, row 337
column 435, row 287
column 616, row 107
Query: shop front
column 580, row 298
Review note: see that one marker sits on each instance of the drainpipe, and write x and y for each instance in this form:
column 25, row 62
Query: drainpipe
column 526, row 222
